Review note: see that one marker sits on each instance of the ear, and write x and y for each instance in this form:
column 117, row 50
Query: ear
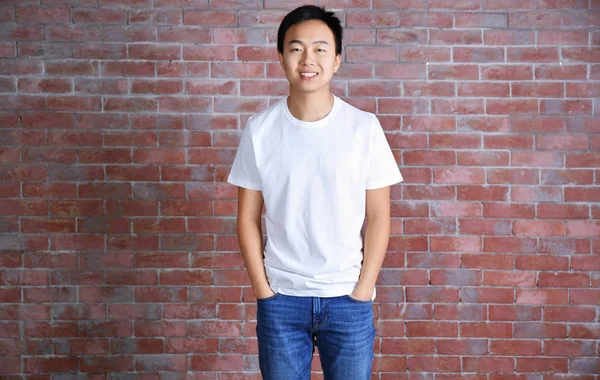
column 338, row 62
column 280, row 55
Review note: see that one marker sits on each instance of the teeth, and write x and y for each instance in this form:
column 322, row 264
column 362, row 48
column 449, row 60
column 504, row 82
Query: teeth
column 308, row 74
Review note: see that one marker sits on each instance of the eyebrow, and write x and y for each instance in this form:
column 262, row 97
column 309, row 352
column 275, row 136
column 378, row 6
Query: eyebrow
column 300, row 42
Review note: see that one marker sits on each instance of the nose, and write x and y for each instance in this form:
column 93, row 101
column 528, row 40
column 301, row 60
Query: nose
column 307, row 58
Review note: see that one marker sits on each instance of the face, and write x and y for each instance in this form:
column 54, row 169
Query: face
column 309, row 59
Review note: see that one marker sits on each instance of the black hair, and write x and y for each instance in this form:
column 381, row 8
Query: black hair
column 311, row 12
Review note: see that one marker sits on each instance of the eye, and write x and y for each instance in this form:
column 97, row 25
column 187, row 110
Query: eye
column 321, row 50
column 295, row 49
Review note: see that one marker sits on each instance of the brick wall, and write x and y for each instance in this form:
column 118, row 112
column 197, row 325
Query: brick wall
column 119, row 126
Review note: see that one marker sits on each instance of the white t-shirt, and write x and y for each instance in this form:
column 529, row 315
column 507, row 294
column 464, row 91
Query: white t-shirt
column 313, row 177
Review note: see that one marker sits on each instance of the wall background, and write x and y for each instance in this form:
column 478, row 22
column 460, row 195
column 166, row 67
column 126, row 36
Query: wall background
column 119, row 122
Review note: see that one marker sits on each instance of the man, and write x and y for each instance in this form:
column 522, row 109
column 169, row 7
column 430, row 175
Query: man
column 319, row 165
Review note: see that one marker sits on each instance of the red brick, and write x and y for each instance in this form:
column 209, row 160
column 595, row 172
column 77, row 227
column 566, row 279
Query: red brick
column 508, row 37
column 584, row 331
column 540, row 296
column 483, row 123
column 15, row 32
column 43, row 365
column 108, row 155
column 586, row 263
column 130, row 104
column 362, row 36
column 550, row 211
column 542, row 365
column 371, row 54
column 129, row 34
column 165, row 328
column 583, row 228
column 455, row 37
column 132, row 173
column 102, row 121
column 106, row 364
column 40, row 15
column 434, row 158
column 429, row 329
column 539, row 330
column 159, row 225
column 564, row 245
column 481, row 20
column 155, row 16
column 23, row 102
column 425, row 54
column 181, row 3
column 187, row 35
column 429, row 192
column 538, row 228
column 459, row 244
column 74, row 33
column 488, row 364
column 103, row 328
column 433, row 260
column 515, row 347
column 536, row 20
column 536, row 194
column 512, row 72
column 514, row 279
column 560, row 72
column 432, row 226
column 126, row 69
column 191, row 345
column 45, row 85
column 570, row 107
column 184, row 104
column 99, row 16
column 569, row 313
column 581, row 19
column 562, row 37
column 155, row 52
column 8, row 49
column 434, row 363
column 47, row 225
column 582, row 194
column 489, row 158
column 159, row 156
column 130, row 139
column 158, row 191
column 515, row 313
column 457, row 106
column 568, row 348
column 104, row 190
column 542, row 262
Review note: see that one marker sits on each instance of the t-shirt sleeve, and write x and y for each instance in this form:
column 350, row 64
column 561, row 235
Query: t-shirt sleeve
column 383, row 169
column 244, row 172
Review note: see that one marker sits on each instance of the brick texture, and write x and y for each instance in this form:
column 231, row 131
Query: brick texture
column 119, row 121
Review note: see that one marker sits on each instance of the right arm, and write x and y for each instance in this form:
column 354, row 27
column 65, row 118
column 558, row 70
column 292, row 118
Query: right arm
column 250, row 204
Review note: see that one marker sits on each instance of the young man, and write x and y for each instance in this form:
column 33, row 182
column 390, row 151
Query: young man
column 319, row 165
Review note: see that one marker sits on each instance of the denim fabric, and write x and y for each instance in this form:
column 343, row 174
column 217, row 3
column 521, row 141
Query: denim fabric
column 290, row 327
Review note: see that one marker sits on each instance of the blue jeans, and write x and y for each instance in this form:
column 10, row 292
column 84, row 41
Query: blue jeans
column 289, row 327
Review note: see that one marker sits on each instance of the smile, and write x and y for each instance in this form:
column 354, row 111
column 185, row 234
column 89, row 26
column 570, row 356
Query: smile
column 308, row 75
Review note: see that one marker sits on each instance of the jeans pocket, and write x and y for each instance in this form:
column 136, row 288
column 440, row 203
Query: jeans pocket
column 268, row 298
column 357, row 301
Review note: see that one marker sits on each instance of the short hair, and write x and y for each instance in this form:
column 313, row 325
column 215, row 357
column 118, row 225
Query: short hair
column 306, row 13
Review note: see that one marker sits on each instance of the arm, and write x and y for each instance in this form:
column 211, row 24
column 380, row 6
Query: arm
column 250, row 203
column 377, row 236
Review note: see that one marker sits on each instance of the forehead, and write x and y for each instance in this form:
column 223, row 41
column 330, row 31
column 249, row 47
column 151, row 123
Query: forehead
column 308, row 31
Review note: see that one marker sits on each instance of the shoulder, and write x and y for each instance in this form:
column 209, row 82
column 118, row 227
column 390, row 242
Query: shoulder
column 356, row 114
column 360, row 119
column 262, row 120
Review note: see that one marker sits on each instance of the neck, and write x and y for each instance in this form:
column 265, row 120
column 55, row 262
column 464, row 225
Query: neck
column 310, row 106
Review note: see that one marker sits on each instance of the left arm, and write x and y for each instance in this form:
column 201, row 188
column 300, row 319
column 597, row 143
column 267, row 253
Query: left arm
column 377, row 236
